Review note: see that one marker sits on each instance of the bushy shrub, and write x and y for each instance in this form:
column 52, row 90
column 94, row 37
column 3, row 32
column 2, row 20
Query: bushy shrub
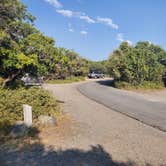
column 151, row 85
column 144, row 85
column 137, row 66
column 122, row 84
column 67, row 80
column 11, row 103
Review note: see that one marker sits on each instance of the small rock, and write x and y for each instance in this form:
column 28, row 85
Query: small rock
column 19, row 130
column 47, row 120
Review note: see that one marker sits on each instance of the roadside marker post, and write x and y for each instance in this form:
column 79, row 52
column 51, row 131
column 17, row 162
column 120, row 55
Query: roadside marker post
column 27, row 111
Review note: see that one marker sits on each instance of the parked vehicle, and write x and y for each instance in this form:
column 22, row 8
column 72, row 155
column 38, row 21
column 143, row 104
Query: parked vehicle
column 32, row 80
column 95, row 75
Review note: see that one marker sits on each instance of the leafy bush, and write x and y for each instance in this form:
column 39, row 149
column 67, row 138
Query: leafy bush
column 122, row 84
column 67, row 80
column 11, row 104
column 151, row 85
column 137, row 66
column 24, row 49
column 144, row 85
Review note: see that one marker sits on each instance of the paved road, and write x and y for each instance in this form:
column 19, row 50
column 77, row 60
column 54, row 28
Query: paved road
column 148, row 111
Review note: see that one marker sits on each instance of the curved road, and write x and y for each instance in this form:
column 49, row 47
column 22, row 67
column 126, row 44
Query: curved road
column 148, row 111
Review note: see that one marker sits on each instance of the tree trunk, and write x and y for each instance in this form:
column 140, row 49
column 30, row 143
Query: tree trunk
column 5, row 82
column 9, row 79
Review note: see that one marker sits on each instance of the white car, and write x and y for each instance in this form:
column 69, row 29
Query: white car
column 31, row 80
column 95, row 75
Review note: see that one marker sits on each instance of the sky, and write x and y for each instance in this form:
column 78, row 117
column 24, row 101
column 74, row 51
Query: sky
column 94, row 28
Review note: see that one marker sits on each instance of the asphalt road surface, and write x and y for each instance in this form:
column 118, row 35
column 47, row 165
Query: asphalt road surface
column 148, row 111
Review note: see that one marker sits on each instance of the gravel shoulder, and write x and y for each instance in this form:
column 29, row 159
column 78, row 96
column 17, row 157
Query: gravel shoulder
column 154, row 95
column 124, row 138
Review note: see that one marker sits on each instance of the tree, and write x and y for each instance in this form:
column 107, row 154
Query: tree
column 24, row 49
column 98, row 66
column 14, row 63
column 16, row 24
column 43, row 47
column 136, row 65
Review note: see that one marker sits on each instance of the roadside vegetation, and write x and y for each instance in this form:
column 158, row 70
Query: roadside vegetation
column 24, row 49
column 67, row 80
column 142, row 66
column 11, row 105
column 99, row 66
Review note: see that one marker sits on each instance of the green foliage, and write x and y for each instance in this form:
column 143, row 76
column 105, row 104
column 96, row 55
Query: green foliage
column 137, row 65
column 67, row 80
column 150, row 85
column 143, row 86
column 23, row 49
column 67, row 63
column 11, row 103
column 16, row 25
column 43, row 47
column 12, row 61
column 100, row 66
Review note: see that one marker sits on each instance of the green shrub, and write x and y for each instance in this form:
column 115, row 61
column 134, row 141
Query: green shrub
column 138, row 66
column 67, row 80
column 122, row 84
column 151, row 85
column 11, row 104
column 144, row 85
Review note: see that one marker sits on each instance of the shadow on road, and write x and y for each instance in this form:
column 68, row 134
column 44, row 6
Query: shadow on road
column 38, row 155
column 108, row 82
column 30, row 151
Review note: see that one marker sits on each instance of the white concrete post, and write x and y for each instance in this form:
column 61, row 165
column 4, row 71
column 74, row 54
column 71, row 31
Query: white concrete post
column 27, row 114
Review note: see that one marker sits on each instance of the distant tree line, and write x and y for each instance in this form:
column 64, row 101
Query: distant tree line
column 24, row 49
